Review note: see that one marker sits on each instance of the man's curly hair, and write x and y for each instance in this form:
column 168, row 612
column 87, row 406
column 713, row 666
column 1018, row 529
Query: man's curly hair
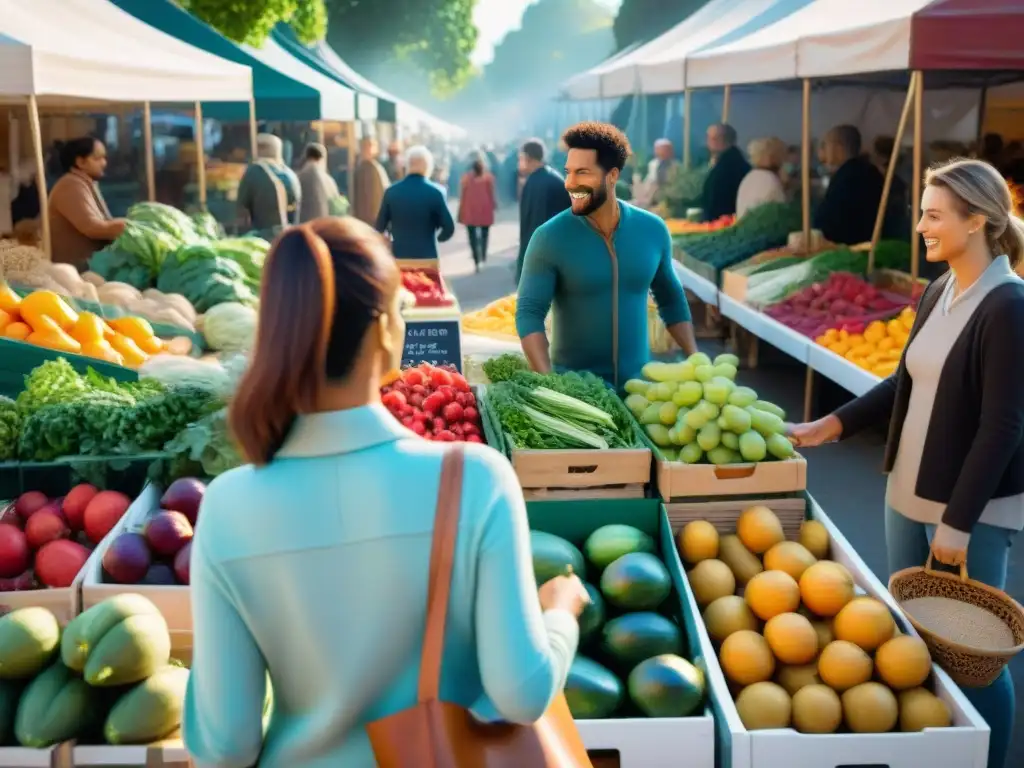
column 609, row 142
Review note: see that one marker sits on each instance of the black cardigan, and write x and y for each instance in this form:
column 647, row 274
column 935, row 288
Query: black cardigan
column 974, row 449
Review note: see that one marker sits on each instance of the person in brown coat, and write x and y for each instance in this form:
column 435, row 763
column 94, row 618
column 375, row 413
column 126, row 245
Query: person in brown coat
column 370, row 182
column 80, row 222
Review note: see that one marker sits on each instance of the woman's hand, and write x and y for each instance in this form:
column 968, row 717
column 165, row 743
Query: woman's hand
column 815, row 433
column 565, row 593
column 949, row 546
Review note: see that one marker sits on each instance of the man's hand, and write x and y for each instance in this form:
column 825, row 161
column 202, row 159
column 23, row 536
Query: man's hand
column 537, row 352
column 683, row 335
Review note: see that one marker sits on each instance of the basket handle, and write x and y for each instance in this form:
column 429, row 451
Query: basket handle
column 929, row 570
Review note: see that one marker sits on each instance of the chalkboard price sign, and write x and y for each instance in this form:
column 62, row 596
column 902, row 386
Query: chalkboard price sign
column 438, row 342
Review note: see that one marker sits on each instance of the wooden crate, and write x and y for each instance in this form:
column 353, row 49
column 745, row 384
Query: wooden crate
column 724, row 514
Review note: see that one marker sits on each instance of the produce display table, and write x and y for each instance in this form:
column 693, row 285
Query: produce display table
column 698, row 285
column 965, row 745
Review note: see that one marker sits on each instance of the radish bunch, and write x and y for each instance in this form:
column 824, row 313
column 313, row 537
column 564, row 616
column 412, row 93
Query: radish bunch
column 435, row 403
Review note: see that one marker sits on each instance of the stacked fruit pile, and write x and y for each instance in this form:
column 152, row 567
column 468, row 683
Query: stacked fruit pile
column 159, row 551
column 628, row 632
column 109, row 673
column 426, row 286
column 45, row 542
column 800, row 649
column 844, row 299
column 876, row 347
column 694, row 412
column 435, row 402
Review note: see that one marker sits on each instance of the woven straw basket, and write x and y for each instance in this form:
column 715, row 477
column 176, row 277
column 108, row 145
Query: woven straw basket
column 968, row 666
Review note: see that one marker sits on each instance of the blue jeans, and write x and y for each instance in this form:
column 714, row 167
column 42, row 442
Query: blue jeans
column 908, row 543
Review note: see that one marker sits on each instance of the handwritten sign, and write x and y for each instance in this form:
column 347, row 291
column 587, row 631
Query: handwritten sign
column 438, row 342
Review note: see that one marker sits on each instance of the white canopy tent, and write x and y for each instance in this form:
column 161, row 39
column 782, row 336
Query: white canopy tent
column 61, row 50
column 826, row 38
column 336, row 101
column 407, row 115
column 76, row 52
column 589, row 85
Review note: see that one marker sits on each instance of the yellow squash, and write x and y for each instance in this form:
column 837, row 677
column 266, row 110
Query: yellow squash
column 40, row 304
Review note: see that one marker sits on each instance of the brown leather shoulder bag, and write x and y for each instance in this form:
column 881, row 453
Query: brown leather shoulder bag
column 437, row 734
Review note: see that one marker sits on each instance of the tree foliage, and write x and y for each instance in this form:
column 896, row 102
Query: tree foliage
column 557, row 39
column 251, row 21
column 432, row 36
column 642, row 20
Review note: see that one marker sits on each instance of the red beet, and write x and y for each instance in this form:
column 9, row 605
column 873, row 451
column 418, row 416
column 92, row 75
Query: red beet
column 15, row 554
column 30, row 502
column 45, row 526
column 167, row 532
column 104, row 512
column 58, row 562
column 20, row 583
column 127, row 559
column 182, row 563
column 75, row 502
column 184, row 495
column 160, row 574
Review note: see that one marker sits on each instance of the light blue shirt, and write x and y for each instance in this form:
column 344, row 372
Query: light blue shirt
column 314, row 568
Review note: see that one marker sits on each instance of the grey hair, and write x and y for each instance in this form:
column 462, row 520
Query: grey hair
column 768, row 152
column 420, row 158
column 269, row 147
column 981, row 190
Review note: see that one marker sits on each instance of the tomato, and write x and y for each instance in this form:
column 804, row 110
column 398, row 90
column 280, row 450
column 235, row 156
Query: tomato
column 471, row 414
column 440, row 378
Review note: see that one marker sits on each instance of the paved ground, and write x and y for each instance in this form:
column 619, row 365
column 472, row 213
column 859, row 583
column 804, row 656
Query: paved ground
column 845, row 479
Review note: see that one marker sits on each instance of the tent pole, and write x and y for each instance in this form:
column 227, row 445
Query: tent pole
column 252, row 127
column 687, row 126
column 147, row 149
column 890, row 172
column 915, row 238
column 726, row 98
column 37, row 147
column 805, row 165
column 200, row 156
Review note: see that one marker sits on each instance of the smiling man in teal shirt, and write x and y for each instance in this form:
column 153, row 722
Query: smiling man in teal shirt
column 594, row 266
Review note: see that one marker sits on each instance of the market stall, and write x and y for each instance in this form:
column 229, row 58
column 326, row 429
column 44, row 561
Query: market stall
column 45, row 65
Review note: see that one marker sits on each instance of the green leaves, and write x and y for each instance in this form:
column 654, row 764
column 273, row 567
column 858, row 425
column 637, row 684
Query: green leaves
column 251, row 21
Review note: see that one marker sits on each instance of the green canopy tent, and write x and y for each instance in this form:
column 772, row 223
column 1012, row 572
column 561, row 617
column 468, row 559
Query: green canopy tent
column 285, row 88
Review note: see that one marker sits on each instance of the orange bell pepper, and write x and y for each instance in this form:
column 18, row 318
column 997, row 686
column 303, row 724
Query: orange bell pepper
column 39, row 304
column 17, row 330
column 102, row 350
column 140, row 331
column 5, row 319
column 9, row 300
column 90, row 328
column 129, row 350
column 54, row 338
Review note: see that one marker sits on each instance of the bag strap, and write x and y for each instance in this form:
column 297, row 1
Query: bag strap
column 442, row 557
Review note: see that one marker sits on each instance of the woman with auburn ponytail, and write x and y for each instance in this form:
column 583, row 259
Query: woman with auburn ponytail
column 310, row 563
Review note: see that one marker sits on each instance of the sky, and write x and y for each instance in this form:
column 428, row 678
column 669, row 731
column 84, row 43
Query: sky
column 495, row 18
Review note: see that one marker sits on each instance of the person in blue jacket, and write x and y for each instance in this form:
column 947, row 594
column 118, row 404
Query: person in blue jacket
column 310, row 562
column 595, row 266
column 415, row 210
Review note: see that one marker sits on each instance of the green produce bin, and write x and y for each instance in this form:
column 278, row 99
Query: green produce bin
column 630, row 739
column 109, row 312
column 18, row 359
column 127, row 474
